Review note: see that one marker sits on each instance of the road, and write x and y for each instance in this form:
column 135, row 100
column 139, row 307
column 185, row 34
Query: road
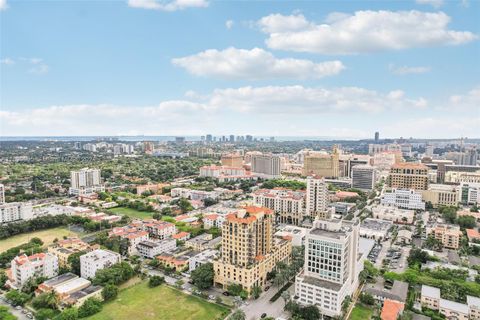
column 16, row 313
column 255, row 308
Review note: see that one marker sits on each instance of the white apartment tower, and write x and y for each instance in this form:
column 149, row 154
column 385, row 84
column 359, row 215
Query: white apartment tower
column 37, row 265
column 316, row 198
column 15, row 211
column 266, row 166
column 85, row 181
column 96, row 260
column 332, row 265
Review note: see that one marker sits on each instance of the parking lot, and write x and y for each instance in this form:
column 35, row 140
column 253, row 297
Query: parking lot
column 19, row 312
column 396, row 258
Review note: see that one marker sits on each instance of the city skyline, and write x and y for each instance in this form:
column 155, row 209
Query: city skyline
column 403, row 68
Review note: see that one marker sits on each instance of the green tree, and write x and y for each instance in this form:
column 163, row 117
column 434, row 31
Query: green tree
column 109, row 292
column 367, row 298
column 74, row 262
column 47, row 300
column 89, row 307
column 185, row 205
column 155, row 281
column 5, row 314
column 466, row 222
column 68, row 314
column 309, row 313
column 203, row 275
column 18, row 298
column 234, row 289
column 45, row 314
column 256, row 291
column 238, row 315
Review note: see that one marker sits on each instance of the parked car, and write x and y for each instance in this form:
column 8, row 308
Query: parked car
column 226, row 293
column 263, row 315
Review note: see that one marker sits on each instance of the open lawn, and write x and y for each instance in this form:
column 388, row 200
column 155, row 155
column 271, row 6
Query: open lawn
column 361, row 313
column 141, row 303
column 132, row 213
column 47, row 237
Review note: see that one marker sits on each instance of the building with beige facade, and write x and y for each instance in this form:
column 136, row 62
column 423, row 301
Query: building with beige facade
column 459, row 177
column 448, row 234
column 232, row 160
column 408, row 176
column 287, row 204
column 441, row 195
column 317, row 198
column 430, row 298
column 66, row 247
column 249, row 249
column 324, row 165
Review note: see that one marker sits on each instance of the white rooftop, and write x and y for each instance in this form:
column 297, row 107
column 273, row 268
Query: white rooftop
column 455, row 306
column 431, row 292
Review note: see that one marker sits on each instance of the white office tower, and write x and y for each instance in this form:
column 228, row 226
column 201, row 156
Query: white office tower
column 2, row 194
column 363, row 177
column 332, row 265
column 402, row 198
column 266, row 166
column 316, row 203
column 85, row 181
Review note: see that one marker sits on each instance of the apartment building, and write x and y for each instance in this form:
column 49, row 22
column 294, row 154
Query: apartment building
column 266, row 166
column 132, row 234
column 317, row 198
column 96, row 260
column 15, row 211
column 85, row 181
column 287, row 204
column 430, row 298
column 402, row 198
column 408, row 176
column 441, row 195
column 213, row 220
column 24, row 267
column 332, row 265
column 448, row 234
column 226, row 174
column 323, row 165
column 2, row 194
column 159, row 229
column 65, row 248
column 201, row 258
column 364, row 177
column 150, row 248
column 249, row 250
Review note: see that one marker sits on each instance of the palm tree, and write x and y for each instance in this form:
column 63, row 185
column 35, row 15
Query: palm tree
column 238, row 315
column 285, row 296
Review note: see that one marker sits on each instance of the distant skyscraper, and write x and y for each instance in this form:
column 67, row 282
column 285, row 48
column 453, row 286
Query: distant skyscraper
column 209, row 138
column 249, row 138
column 179, row 139
column 266, row 166
column 232, row 138
column 377, row 136
column 85, row 181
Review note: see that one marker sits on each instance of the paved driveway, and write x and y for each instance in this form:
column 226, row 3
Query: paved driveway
column 16, row 313
column 255, row 308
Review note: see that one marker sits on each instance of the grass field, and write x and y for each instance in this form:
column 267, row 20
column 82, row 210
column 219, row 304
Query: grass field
column 131, row 213
column 360, row 313
column 141, row 303
column 47, row 237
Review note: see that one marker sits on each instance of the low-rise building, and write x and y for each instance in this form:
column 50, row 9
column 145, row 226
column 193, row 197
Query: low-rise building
column 391, row 309
column 393, row 214
column 15, row 211
column 430, row 298
column 403, row 198
column 25, row 267
column 203, row 242
column 181, row 236
column 65, row 248
column 96, row 260
column 177, row 263
column 441, row 195
column 152, row 248
column 226, row 173
column 296, row 234
column 398, row 292
column 375, row 228
column 448, row 234
column 404, row 236
column 213, row 220
column 201, row 258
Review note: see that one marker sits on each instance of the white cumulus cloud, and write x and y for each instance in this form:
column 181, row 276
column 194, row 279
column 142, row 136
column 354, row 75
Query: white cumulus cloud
column 173, row 5
column 254, row 64
column 3, row 5
column 229, row 24
column 7, row 61
column 362, row 32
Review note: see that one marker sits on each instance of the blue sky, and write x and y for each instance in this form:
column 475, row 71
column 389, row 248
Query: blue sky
column 288, row 68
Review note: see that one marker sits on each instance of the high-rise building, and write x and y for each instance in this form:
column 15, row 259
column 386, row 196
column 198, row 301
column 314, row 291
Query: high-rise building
column 85, row 181
column 209, row 138
column 316, row 203
column 232, row 138
column 249, row 249
column 377, row 136
column 408, row 176
column 2, row 194
column 332, row 265
column 324, row 165
column 180, row 140
column 266, row 166
column 287, row 204
column 364, row 177
column 249, row 138
column 232, row 160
